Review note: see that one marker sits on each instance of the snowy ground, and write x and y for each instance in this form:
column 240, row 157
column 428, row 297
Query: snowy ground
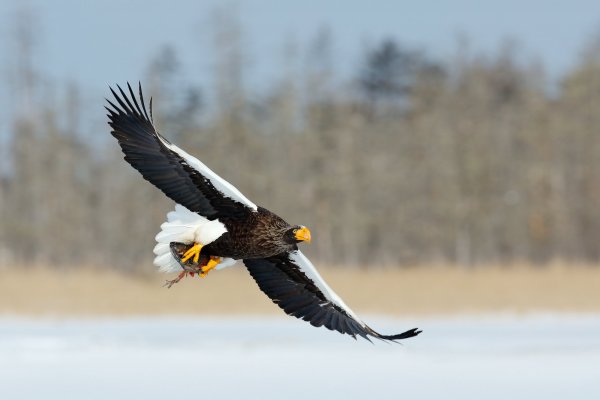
column 496, row 357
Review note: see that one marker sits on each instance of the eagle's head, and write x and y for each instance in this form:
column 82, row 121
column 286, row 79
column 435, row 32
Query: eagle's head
column 297, row 234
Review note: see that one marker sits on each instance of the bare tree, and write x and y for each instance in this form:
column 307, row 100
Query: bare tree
column 470, row 161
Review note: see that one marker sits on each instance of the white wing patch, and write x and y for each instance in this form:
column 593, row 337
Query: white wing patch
column 311, row 273
column 219, row 183
column 186, row 227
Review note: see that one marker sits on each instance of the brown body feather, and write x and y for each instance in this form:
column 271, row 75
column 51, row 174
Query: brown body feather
column 261, row 234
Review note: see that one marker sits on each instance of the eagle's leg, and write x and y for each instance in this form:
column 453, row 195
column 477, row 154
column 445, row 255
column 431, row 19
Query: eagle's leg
column 193, row 251
column 212, row 263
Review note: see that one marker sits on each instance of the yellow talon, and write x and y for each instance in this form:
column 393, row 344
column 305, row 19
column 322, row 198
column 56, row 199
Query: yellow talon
column 193, row 251
column 212, row 263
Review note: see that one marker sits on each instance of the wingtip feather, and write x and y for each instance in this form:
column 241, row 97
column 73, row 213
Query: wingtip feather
column 404, row 335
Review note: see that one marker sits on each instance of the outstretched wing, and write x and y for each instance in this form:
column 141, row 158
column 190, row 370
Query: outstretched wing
column 293, row 283
column 182, row 177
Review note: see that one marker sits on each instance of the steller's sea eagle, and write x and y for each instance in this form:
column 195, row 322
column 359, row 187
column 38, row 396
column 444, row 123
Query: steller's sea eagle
column 213, row 225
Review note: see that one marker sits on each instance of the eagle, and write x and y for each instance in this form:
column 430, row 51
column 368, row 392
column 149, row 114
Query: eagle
column 214, row 224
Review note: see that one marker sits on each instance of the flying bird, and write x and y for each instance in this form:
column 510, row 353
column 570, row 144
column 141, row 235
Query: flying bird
column 214, row 224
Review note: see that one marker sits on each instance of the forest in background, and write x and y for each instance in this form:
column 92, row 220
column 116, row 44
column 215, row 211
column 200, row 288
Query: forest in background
column 471, row 160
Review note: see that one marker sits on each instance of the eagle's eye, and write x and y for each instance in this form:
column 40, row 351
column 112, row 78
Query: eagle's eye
column 295, row 230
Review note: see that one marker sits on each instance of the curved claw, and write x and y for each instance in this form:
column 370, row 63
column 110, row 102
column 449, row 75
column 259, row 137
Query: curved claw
column 212, row 263
column 193, row 251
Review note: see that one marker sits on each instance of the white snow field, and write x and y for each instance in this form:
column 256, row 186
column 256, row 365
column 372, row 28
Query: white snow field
column 540, row 356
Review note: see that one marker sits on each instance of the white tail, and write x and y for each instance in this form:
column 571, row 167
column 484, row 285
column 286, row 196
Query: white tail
column 186, row 227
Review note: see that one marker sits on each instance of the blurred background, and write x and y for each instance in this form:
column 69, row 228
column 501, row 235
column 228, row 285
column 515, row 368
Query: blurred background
column 446, row 156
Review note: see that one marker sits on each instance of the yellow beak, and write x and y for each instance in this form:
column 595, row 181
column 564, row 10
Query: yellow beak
column 303, row 234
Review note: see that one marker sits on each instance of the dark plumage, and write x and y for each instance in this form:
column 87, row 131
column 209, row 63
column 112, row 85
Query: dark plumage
column 260, row 234
column 220, row 224
column 289, row 288
column 249, row 234
column 146, row 150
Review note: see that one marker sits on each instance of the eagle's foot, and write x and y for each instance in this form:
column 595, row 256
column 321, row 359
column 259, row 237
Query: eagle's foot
column 212, row 263
column 194, row 251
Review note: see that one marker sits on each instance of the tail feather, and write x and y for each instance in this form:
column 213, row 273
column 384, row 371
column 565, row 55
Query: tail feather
column 184, row 226
column 181, row 226
column 183, row 235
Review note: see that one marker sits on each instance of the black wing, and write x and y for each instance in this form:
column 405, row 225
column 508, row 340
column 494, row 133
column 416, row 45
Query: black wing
column 181, row 177
column 292, row 282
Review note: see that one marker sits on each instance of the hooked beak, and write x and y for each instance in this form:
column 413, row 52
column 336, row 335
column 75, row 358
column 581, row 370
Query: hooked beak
column 303, row 234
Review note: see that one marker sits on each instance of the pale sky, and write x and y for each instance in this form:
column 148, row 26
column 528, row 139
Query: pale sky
column 99, row 42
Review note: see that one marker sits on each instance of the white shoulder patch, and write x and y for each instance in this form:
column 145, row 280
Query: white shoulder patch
column 219, row 183
column 311, row 272
column 209, row 232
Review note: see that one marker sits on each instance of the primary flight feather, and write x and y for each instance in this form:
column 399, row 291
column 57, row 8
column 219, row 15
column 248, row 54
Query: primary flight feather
column 214, row 224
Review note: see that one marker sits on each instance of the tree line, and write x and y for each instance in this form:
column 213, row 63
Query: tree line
column 475, row 159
